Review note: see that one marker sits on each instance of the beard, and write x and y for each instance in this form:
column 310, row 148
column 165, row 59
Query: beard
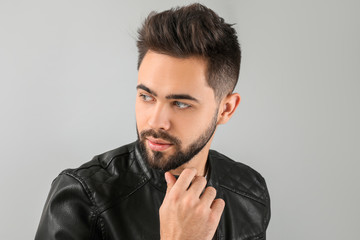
column 157, row 160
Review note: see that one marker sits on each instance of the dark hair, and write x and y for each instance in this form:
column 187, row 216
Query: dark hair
column 195, row 30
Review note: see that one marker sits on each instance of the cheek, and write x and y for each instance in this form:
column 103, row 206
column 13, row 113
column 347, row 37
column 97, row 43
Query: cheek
column 190, row 126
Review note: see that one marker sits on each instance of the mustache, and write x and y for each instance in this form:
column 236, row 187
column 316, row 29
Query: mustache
column 160, row 134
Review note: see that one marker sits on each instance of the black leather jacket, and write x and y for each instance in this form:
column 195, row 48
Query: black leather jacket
column 117, row 196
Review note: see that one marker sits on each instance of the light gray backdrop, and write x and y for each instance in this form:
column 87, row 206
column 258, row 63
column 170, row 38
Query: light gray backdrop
column 68, row 75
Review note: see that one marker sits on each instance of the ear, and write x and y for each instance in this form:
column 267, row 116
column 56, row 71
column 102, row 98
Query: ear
column 227, row 107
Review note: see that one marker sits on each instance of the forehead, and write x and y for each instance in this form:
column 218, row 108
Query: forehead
column 170, row 75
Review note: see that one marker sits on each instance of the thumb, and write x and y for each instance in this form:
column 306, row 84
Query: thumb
column 170, row 180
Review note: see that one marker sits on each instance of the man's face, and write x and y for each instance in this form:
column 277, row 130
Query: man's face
column 176, row 111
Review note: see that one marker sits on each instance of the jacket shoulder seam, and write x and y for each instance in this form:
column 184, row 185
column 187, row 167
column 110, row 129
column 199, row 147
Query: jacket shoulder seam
column 94, row 211
column 244, row 194
column 98, row 164
column 83, row 184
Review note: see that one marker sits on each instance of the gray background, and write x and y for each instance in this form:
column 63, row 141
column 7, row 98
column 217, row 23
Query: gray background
column 68, row 75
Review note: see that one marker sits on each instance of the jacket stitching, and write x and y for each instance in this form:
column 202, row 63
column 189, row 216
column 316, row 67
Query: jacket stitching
column 102, row 227
column 84, row 185
column 98, row 165
column 94, row 212
column 156, row 186
column 93, row 224
column 115, row 199
column 108, row 163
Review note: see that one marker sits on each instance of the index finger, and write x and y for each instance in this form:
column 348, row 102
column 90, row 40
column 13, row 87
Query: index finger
column 184, row 180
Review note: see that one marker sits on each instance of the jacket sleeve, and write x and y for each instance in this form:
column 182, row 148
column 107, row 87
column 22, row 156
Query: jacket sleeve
column 67, row 213
column 268, row 208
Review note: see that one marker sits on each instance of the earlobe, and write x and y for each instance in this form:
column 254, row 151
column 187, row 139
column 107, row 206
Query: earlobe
column 229, row 103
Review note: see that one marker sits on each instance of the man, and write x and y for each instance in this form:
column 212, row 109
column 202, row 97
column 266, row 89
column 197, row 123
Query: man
column 168, row 184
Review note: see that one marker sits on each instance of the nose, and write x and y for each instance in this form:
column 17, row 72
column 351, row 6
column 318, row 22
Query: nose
column 159, row 117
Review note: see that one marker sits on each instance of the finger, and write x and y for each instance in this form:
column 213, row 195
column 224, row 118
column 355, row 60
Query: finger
column 184, row 180
column 208, row 196
column 197, row 186
column 217, row 207
column 170, row 180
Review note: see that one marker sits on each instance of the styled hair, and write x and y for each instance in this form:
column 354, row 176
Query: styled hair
column 195, row 31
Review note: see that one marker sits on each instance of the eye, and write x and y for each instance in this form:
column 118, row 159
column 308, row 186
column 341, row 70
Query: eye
column 181, row 105
column 145, row 97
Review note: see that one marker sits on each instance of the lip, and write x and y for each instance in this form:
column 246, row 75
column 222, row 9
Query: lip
column 158, row 145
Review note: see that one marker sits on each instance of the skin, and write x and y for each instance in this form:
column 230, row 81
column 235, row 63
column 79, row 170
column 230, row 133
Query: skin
column 159, row 107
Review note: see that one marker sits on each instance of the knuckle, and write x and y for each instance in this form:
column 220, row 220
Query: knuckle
column 200, row 181
column 213, row 219
column 188, row 201
column 189, row 171
column 201, row 211
column 173, row 197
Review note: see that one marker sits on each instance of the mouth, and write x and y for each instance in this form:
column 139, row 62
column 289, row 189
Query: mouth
column 157, row 144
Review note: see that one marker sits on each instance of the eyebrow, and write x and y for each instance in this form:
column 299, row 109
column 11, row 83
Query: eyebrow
column 181, row 96
column 171, row 96
column 145, row 88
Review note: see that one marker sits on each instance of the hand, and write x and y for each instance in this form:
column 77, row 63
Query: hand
column 184, row 214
